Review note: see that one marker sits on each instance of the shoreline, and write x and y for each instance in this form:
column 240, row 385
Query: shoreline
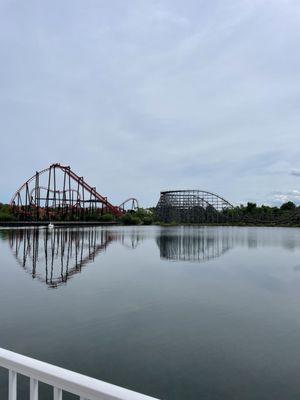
column 16, row 224
column 241, row 225
column 56, row 223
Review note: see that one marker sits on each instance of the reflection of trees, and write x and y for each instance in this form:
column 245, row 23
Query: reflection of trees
column 55, row 256
column 204, row 244
column 196, row 246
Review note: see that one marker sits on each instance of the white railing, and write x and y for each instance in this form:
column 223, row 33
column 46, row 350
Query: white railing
column 60, row 379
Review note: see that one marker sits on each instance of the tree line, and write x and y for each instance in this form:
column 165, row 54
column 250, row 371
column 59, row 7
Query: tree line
column 288, row 214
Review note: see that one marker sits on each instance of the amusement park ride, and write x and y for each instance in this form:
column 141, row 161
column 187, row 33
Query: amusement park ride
column 58, row 192
column 192, row 206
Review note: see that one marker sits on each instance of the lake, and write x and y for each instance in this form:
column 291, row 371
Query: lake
column 176, row 313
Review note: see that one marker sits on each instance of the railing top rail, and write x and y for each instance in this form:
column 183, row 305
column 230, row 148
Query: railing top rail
column 67, row 380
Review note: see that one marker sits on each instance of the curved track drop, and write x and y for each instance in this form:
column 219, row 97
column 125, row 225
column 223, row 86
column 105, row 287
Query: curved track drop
column 58, row 191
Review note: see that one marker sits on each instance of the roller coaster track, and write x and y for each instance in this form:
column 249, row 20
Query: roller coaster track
column 132, row 201
column 287, row 220
column 59, row 195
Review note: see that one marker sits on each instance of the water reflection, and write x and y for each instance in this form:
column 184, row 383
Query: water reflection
column 194, row 245
column 53, row 257
column 239, row 312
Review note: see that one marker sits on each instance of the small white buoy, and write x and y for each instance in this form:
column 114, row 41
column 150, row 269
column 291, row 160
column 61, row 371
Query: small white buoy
column 50, row 226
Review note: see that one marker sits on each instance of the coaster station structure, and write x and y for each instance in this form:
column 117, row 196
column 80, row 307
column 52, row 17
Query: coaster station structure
column 57, row 192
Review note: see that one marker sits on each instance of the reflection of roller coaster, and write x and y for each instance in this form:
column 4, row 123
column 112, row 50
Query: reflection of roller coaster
column 197, row 246
column 53, row 257
column 62, row 253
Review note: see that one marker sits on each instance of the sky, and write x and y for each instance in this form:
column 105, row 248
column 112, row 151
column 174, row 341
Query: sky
column 140, row 96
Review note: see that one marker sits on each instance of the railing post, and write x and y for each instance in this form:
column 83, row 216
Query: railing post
column 12, row 385
column 57, row 394
column 59, row 379
column 34, row 389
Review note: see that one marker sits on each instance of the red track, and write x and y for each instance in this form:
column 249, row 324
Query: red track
column 113, row 209
column 16, row 199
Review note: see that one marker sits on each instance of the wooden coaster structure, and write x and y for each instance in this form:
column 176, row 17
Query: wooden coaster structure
column 192, row 206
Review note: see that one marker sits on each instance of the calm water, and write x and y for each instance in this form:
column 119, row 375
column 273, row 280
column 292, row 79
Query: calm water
column 176, row 313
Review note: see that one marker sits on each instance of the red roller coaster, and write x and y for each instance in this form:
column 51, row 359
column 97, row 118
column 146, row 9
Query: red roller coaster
column 57, row 192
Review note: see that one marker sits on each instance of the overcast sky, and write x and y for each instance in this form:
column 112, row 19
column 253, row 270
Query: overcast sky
column 140, row 96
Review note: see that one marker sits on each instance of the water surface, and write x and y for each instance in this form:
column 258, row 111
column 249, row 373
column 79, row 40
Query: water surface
column 176, row 313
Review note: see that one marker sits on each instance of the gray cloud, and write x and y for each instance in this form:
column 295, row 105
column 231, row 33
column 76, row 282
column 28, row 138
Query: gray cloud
column 295, row 173
column 143, row 96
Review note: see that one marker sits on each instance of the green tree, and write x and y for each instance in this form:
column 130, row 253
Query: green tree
column 107, row 217
column 289, row 205
column 251, row 207
column 130, row 219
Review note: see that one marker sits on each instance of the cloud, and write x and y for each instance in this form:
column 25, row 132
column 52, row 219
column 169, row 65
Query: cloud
column 283, row 197
column 295, row 172
column 141, row 96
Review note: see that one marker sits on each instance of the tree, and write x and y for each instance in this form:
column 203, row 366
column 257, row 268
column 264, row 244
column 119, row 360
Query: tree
column 289, row 205
column 251, row 207
column 130, row 219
